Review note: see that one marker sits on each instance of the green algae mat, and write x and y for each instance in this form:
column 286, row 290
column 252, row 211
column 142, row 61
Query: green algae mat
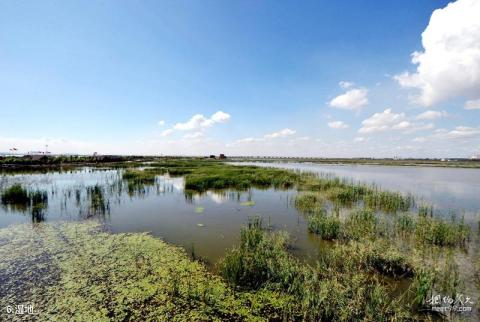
column 77, row 272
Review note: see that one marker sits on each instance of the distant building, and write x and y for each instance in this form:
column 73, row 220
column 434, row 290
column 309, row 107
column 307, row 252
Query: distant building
column 222, row 156
column 475, row 157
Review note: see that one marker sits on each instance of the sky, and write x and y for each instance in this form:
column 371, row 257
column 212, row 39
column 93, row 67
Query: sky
column 277, row 78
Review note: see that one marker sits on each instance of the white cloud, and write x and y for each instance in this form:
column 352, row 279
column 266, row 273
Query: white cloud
column 380, row 122
column 345, row 84
column 459, row 132
column 337, row 125
column 472, row 105
column 430, row 115
column 270, row 137
column 402, row 125
column 167, row 132
column 200, row 122
column 280, row 134
column 353, row 99
column 220, row 117
column 161, row 122
column 388, row 120
column 195, row 135
column 449, row 65
column 414, row 127
column 248, row 140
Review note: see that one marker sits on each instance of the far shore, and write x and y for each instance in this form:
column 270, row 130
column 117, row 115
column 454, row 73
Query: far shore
column 18, row 162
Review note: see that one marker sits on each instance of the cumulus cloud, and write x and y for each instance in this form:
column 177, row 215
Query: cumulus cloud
column 449, row 64
column 161, row 122
column 388, row 120
column 353, row 99
column 430, row 115
column 383, row 121
column 337, row 125
column 472, row 105
column 200, row 122
column 463, row 133
column 459, row 132
column 220, row 117
column 280, row 134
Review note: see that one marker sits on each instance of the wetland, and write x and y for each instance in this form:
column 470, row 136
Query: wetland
column 195, row 239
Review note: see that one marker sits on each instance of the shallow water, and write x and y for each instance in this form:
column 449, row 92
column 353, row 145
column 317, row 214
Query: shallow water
column 208, row 224
column 447, row 189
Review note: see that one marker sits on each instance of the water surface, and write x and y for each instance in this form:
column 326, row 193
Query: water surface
column 447, row 189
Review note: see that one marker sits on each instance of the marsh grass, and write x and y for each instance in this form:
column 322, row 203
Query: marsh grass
column 18, row 198
column 138, row 180
column 217, row 176
column 262, row 262
column 140, row 176
column 347, row 193
column 328, row 227
column 440, row 232
column 15, row 195
column 98, row 203
column 360, row 224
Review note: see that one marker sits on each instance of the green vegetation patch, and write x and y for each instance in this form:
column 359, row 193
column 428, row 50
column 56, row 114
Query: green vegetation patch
column 343, row 192
column 327, row 227
column 234, row 177
column 78, row 273
column 18, row 198
column 324, row 293
column 16, row 194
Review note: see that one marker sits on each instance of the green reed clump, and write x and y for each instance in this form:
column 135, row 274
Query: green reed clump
column 223, row 176
column 98, row 204
column 309, row 202
column 379, row 255
column 260, row 258
column 262, row 262
column 360, row 224
column 16, row 194
column 422, row 287
column 139, row 176
column 405, row 223
column 387, row 201
column 346, row 195
column 425, row 211
column 326, row 226
column 20, row 199
column 440, row 232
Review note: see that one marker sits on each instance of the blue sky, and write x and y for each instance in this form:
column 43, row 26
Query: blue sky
column 242, row 77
